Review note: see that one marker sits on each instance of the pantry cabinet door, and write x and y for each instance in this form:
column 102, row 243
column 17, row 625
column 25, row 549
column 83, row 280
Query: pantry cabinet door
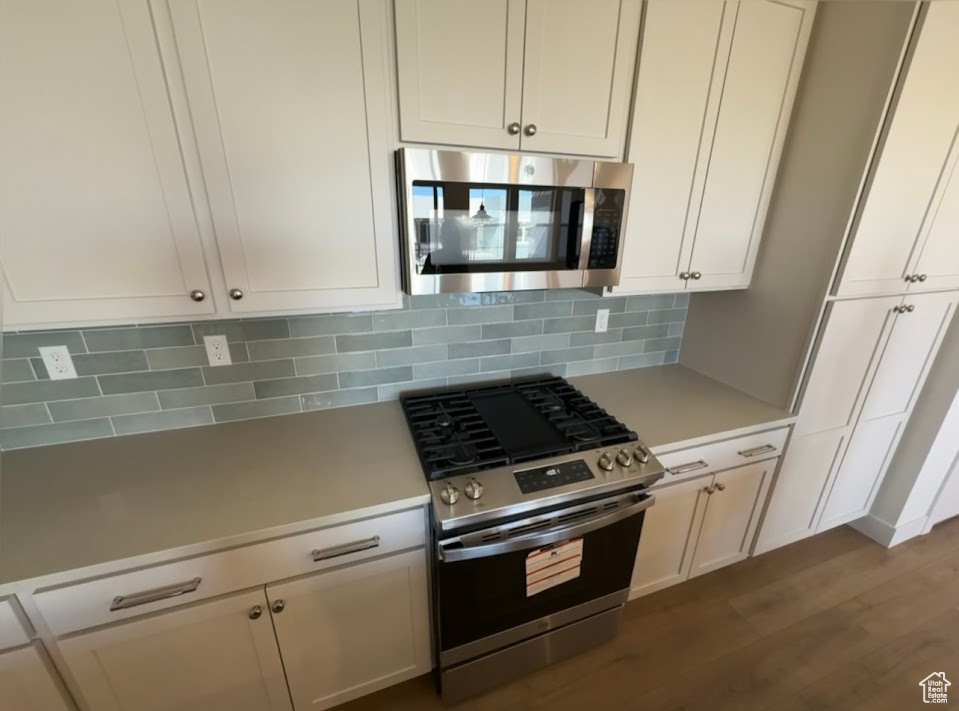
column 460, row 71
column 761, row 77
column 27, row 683
column 352, row 631
column 95, row 209
column 215, row 656
column 578, row 74
column 938, row 264
column 732, row 513
column 911, row 161
column 290, row 101
column 670, row 530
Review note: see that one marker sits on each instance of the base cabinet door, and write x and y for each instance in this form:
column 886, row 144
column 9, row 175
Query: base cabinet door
column 214, row 656
column 27, row 683
column 733, row 505
column 669, row 536
column 352, row 631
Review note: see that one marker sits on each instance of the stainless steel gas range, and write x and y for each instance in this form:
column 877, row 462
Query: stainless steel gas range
column 538, row 504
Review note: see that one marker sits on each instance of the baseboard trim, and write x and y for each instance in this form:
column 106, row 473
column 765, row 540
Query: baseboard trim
column 887, row 535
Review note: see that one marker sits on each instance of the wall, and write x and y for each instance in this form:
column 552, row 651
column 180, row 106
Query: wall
column 149, row 378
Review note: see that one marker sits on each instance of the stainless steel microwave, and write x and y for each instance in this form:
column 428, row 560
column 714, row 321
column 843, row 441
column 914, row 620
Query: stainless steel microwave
column 473, row 222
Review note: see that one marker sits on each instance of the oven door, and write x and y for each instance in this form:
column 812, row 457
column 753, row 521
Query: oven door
column 487, row 598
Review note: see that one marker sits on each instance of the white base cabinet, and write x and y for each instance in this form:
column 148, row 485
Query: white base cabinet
column 27, row 683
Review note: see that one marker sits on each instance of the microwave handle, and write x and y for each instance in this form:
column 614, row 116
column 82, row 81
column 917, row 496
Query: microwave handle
column 543, row 538
column 586, row 237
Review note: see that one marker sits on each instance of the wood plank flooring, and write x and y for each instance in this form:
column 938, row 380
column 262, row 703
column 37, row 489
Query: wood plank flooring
column 832, row 622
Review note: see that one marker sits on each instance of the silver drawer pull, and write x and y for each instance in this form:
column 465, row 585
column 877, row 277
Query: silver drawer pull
column 756, row 451
column 688, row 467
column 345, row 549
column 122, row 602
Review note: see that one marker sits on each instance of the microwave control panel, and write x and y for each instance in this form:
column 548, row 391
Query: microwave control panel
column 607, row 220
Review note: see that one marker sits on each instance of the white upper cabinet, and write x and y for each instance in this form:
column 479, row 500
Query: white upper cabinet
column 714, row 93
column 27, row 683
column 550, row 76
column 290, row 103
column 911, row 195
column 95, row 209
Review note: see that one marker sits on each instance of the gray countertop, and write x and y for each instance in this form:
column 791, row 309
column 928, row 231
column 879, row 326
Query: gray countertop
column 91, row 505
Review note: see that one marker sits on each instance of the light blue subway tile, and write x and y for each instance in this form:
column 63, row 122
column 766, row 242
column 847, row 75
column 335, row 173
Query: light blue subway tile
column 17, row 371
column 190, row 356
column 58, row 433
column 151, row 380
column 573, row 323
column 246, row 330
column 609, row 350
column 566, row 355
column 209, row 395
column 667, row 316
column 573, row 294
column 128, row 339
column 332, row 325
column 413, row 387
column 682, row 299
column 400, row 320
column 586, row 367
column 509, row 362
column 447, row 334
column 24, row 415
column 529, row 344
column 366, row 378
column 25, row 345
column 671, row 357
column 442, row 301
column 480, row 348
column 494, row 298
column 256, row 408
column 165, row 420
column 261, row 370
column 291, row 347
column 46, row 390
column 486, row 314
column 336, row 362
column 100, row 363
column 374, row 341
column 515, row 329
column 650, row 302
column 92, row 407
column 644, row 360
column 338, row 398
column 446, row 368
column 554, row 369
column 660, row 344
column 548, row 309
column 676, row 329
column 628, row 319
column 281, row 387
column 479, row 379
column 589, row 308
column 409, row 356
column 591, row 338
column 641, row 333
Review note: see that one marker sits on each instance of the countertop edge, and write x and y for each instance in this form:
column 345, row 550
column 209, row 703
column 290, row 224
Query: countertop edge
column 724, row 435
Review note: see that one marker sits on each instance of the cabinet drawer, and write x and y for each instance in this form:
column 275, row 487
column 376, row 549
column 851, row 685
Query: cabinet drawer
column 686, row 463
column 81, row 605
column 13, row 631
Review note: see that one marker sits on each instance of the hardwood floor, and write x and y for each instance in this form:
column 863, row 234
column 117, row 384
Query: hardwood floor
column 832, row 622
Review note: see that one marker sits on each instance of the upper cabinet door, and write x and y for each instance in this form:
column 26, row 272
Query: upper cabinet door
column 95, row 209
column 912, row 161
column 761, row 77
column 460, row 70
column 290, row 102
column 577, row 75
column 938, row 266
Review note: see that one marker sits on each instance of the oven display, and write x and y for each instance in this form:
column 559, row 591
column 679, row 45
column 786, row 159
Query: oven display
column 531, row 480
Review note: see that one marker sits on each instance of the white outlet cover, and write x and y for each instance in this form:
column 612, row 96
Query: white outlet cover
column 217, row 350
column 58, row 362
column 602, row 320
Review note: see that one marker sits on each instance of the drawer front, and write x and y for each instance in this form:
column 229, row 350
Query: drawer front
column 13, row 631
column 705, row 459
column 118, row 597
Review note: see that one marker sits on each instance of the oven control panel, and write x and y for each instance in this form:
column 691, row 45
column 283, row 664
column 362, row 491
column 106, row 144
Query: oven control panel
column 533, row 480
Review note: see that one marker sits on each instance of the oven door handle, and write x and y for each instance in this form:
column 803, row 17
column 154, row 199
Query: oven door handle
column 543, row 538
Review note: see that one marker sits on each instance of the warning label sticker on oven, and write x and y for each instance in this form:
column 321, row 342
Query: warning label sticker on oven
column 554, row 565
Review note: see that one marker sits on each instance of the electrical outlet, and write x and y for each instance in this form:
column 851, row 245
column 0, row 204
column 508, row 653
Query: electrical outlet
column 58, row 362
column 602, row 320
column 217, row 350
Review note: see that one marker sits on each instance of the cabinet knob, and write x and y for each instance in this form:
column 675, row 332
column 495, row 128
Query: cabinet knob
column 684, row 276
column 197, row 295
column 910, row 308
column 278, row 606
column 910, row 278
column 898, row 309
column 531, row 129
column 255, row 612
column 923, row 277
column 697, row 275
column 710, row 489
column 513, row 128
column 720, row 486
column 236, row 294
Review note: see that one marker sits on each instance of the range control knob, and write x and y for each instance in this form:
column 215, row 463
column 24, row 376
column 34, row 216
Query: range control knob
column 473, row 489
column 624, row 458
column 449, row 494
column 605, row 462
column 642, row 453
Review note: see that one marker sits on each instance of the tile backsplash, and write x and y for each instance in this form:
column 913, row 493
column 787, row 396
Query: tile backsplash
column 148, row 378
